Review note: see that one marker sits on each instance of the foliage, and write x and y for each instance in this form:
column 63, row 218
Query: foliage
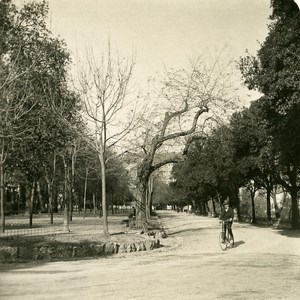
column 40, row 113
column 209, row 170
column 39, row 62
column 251, row 143
column 275, row 73
column 163, row 194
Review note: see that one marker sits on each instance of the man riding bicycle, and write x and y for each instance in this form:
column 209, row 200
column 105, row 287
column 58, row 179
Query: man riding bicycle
column 227, row 217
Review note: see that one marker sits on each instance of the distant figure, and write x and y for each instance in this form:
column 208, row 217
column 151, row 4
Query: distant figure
column 132, row 217
column 133, row 213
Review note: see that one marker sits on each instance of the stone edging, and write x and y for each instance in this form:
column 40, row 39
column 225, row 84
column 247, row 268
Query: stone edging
column 46, row 252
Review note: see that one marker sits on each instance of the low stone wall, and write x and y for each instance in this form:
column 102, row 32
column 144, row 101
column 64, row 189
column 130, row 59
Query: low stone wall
column 49, row 252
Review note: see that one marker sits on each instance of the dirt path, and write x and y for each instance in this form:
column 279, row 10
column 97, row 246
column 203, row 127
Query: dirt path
column 264, row 265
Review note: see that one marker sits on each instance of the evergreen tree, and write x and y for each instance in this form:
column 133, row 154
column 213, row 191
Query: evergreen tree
column 275, row 72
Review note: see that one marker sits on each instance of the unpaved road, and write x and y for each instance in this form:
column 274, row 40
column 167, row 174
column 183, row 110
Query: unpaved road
column 265, row 264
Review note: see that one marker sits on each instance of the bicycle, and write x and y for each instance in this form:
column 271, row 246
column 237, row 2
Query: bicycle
column 228, row 241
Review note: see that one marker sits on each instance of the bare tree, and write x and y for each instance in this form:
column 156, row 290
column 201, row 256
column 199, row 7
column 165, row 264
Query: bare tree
column 12, row 108
column 104, row 88
column 188, row 99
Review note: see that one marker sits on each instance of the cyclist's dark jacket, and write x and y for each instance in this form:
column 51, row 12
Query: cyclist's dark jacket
column 225, row 215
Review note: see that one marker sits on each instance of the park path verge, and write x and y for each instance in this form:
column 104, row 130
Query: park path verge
column 84, row 241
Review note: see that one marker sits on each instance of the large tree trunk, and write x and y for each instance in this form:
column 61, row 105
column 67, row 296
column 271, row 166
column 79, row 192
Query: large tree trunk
column 94, row 204
column 295, row 208
column 50, row 191
column 30, row 206
column 112, row 200
column 275, row 195
column 150, row 206
column 18, row 199
column 71, row 200
column 103, row 190
column 50, row 199
column 149, row 198
column 237, row 203
column 253, row 207
column 293, row 191
column 269, row 216
column 85, row 189
column 213, row 206
column 41, row 200
column 144, row 174
column 141, row 206
column 203, row 208
column 207, row 208
column 66, row 200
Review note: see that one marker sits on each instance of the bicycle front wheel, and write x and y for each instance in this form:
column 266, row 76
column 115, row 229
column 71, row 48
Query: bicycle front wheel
column 222, row 243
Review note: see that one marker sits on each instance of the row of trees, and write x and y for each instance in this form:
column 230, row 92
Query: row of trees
column 42, row 113
column 260, row 147
column 46, row 146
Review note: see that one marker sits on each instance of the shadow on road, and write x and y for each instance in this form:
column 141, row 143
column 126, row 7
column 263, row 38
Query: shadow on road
column 288, row 233
column 239, row 243
column 185, row 224
column 184, row 230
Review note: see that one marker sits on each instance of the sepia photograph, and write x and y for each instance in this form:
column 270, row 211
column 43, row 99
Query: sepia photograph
column 149, row 149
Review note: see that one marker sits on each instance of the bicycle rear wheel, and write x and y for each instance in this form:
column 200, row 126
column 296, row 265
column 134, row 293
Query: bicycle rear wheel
column 224, row 244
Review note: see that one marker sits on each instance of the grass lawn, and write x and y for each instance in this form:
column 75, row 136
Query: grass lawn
column 82, row 230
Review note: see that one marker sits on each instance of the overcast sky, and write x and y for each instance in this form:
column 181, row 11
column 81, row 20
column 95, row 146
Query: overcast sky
column 161, row 32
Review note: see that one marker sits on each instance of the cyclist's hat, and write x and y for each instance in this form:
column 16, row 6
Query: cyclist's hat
column 226, row 202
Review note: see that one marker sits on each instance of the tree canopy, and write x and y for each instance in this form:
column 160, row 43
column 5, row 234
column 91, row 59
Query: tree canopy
column 274, row 72
column 40, row 113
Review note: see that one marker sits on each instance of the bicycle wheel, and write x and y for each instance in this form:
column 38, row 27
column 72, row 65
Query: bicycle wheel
column 224, row 244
